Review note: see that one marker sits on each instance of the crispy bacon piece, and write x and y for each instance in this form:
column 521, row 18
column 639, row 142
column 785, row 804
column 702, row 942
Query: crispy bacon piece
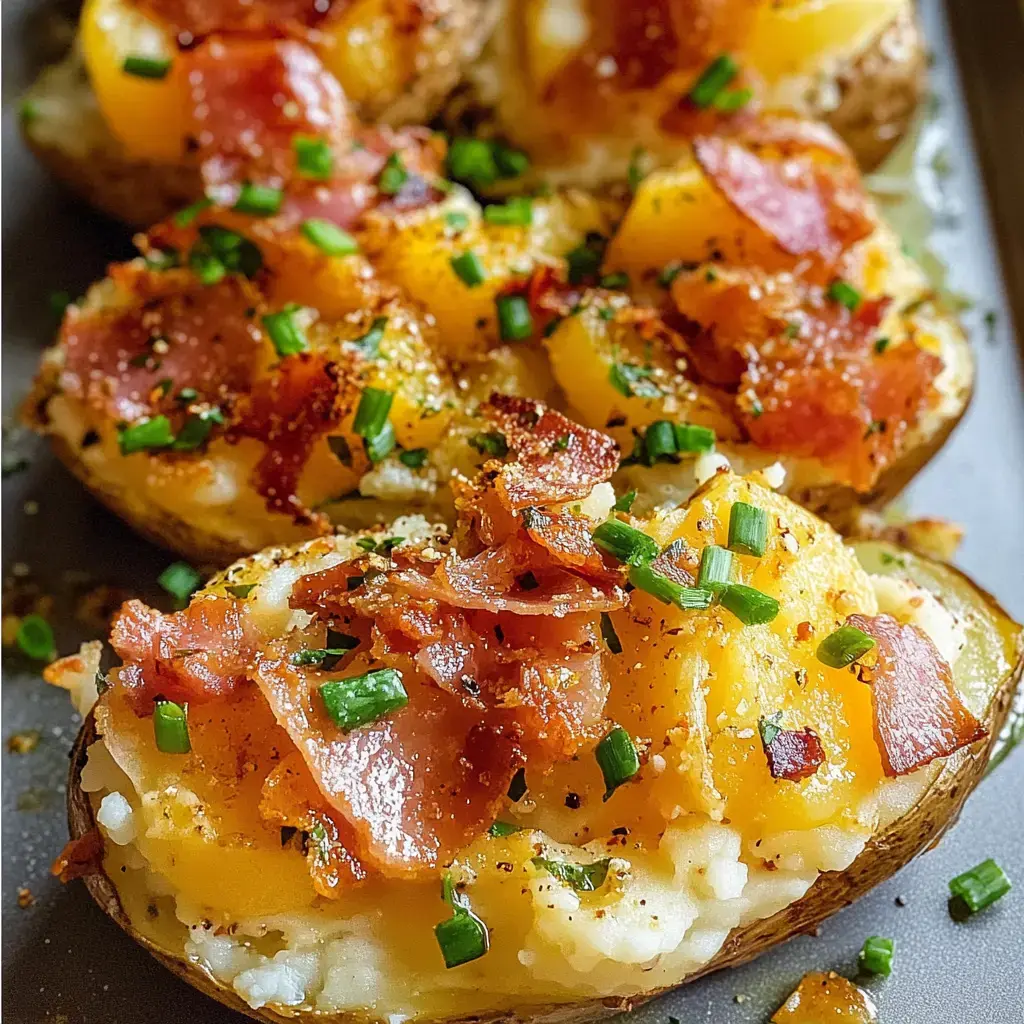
column 197, row 18
column 794, row 754
column 198, row 654
column 918, row 713
column 172, row 329
column 804, row 195
column 80, row 857
column 567, row 539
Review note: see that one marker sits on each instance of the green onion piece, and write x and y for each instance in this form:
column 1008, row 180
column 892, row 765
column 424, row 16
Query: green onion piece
column 328, row 237
column 180, row 580
column 516, row 212
column 693, row 438
column 511, row 163
column 875, row 956
column 845, row 294
column 146, row 67
column 372, row 412
column 381, row 445
column 500, row 829
column 338, row 645
column 414, row 458
column 625, row 502
column 881, row 345
column 635, row 173
column 340, row 449
column 393, row 176
column 515, row 323
column 715, row 567
column 196, row 429
column 235, row 251
column 241, row 590
column 145, row 435
column 748, row 529
column 170, row 727
column 617, row 281
column 285, row 331
column 35, row 638
column 469, row 269
column 769, row 727
column 624, row 543
column 981, row 886
column 631, row 380
column 258, row 200
column 669, row 273
column 608, row 634
column 207, row 267
column 750, row 606
column 517, row 787
column 360, row 699
column 581, row 877
column 457, row 220
column 491, row 443
column 660, row 440
column 644, row 578
column 462, row 938
column 472, row 161
column 313, row 157
column 733, row 99
column 585, row 260
column 844, row 647
column 714, row 78
column 369, row 343
column 617, row 759
column 184, row 217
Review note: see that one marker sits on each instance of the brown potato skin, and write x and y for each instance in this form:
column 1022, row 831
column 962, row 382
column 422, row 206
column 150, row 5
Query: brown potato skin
column 918, row 830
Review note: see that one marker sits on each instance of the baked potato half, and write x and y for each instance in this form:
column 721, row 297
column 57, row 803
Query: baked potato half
column 586, row 794
column 591, row 88
column 125, row 118
column 209, row 392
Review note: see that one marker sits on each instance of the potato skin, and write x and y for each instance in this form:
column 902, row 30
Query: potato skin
column 884, row 855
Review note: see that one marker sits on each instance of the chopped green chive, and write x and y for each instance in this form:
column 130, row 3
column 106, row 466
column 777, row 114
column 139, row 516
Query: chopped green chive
column 491, row 443
column 517, row 787
column 456, row 220
column 207, row 267
column 472, row 161
column 381, row 445
column 329, row 238
column 515, row 323
column 180, row 580
column 361, row 699
column 184, row 217
column 463, row 936
column 624, row 543
column 636, row 171
column 241, row 590
column 644, row 578
column 845, row 294
column 713, row 80
column 372, row 412
column 35, row 638
column 731, row 100
column 981, row 886
column 224, row 250
column 881, row 345
column 715, row 567
column 196, row 429
column 285, row 332
column 338, row 645
column 393, row 176
column 511, row 163
column 581, row 877
column 608, row 634
column 258, row 200
column 414, row 458
column 170, row 728
column 625, row 502
column 748, row 529
column 660, row 440
column 617, row 281
column 146, row 67
column 875, row 956
column 617, row 758
column 145, row 435
column 369, row 343
column 469, row 269
column 632, row 381
column 313, row 157
column 844, row 646
column 750, row 606
column 692, row 438
column 585, row 260
column 500, row 829
column 669, row 273
column 516, row 212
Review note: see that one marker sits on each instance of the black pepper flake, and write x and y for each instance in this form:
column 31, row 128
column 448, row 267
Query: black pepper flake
column 572, row 801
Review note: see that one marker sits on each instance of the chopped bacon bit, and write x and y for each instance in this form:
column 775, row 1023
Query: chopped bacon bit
column 26, row 898
column 80, row 857
column 195, row 655
column 305, row 397
column 794, row 754
column 249, row 97
column 918, row 713
column 806, row 197
column 566, row 537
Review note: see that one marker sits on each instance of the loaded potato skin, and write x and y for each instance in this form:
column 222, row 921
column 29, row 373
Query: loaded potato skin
column 648, row 792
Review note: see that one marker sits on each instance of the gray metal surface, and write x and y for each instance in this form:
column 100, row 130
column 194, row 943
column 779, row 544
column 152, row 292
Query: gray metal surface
column 63, row 961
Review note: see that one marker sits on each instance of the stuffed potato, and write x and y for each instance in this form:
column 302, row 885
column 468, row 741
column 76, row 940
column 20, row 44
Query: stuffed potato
column 746, row 305
column 467, row 774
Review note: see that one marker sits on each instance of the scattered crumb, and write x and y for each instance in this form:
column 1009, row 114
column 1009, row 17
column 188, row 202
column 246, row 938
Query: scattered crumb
column 25, row 897
column 740, row 998
column 23, row 742
column 900, row 901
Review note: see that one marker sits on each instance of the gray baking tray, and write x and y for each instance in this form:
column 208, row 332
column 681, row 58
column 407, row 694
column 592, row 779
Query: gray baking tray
column 63, row 961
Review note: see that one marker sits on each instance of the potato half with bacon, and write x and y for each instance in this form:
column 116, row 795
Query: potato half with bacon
column 132, row 115
column 591, row 88
column 558, row 759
